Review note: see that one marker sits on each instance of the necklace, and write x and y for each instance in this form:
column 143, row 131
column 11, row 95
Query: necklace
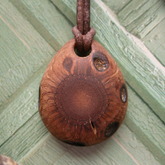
column 83, row 96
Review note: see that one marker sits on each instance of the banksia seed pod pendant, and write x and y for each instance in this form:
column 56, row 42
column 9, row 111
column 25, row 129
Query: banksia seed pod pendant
column 83, row 100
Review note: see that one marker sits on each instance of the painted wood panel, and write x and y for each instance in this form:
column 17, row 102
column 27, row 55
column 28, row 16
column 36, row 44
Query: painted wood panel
column 141, row 16
column 155, row 41
column 19, row 44
column 116, row 5
column 46, row 19
column 144, row 19
column 22, row 133
column 50, row 151
column 136, row 125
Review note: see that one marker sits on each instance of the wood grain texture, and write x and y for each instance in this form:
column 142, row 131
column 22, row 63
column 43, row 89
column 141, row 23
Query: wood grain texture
column 141, row 16
column 24, row 139
column 23, row 41
column 124, row 142
column 116, row 5
column 145, row 20
column 20, row 110
column 29, row 140
column 72, row 108
column 46, row 19
column 148, row 126
column 155, row 41
column 141, row 69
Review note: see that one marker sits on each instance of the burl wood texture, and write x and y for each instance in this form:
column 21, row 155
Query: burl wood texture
column 83, row 100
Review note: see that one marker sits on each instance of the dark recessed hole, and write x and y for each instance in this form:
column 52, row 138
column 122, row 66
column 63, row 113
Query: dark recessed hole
column 67, row 63
column 123, row 93
column 83, row 53
column 111, row 129
column 75, row 143
column 93, row 126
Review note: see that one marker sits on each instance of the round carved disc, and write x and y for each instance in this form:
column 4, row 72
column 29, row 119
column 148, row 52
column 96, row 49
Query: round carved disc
column 80, row 98
column 83, row 100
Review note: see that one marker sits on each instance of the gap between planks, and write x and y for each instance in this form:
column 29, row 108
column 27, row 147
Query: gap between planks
column 14, row 31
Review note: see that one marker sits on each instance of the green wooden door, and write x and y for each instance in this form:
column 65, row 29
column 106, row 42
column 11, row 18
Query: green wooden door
column 32, row 31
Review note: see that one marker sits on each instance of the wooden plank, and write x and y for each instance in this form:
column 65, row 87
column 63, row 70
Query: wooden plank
column 24, row 139
column 122, row 148
column 141, row 69
column 25, row 48
column 116, row 5
column 130, row 142
column 135, row 9
column 155, row 40
column 147, row 126
column 148, row 25
column 8, row 37
column 47, row 20
column 147, row 21
column 20, row 110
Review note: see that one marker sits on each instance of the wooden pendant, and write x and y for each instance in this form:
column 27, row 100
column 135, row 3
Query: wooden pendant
column 83, row 100
column 4, row 160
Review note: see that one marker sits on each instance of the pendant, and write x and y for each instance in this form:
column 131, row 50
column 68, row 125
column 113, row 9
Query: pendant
column 83, row 100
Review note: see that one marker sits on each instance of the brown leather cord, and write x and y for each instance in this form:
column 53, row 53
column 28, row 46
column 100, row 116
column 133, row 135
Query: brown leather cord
column 82, row 32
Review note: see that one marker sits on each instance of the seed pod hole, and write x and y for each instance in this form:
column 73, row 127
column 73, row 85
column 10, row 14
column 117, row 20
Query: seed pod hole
column 92, row 125
column 93, row 128
column 123, row 94
column 75, row 143
column 111, row 129
column 83, row 53
column 100, row 61
column 67, row 64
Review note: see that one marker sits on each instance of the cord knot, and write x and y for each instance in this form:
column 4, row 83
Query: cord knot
column 83, row 33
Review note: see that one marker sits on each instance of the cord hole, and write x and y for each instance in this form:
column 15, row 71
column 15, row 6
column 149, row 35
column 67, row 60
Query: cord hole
column 83, row 53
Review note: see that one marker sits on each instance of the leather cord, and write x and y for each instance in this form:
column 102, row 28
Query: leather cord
column 83, row 33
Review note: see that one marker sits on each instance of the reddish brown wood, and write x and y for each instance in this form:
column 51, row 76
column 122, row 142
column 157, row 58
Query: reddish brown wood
column 83, row 100
column 4, row 160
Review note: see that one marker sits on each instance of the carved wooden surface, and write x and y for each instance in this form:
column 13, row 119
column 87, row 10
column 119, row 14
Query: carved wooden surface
column 83, row 100
column 30, row 34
